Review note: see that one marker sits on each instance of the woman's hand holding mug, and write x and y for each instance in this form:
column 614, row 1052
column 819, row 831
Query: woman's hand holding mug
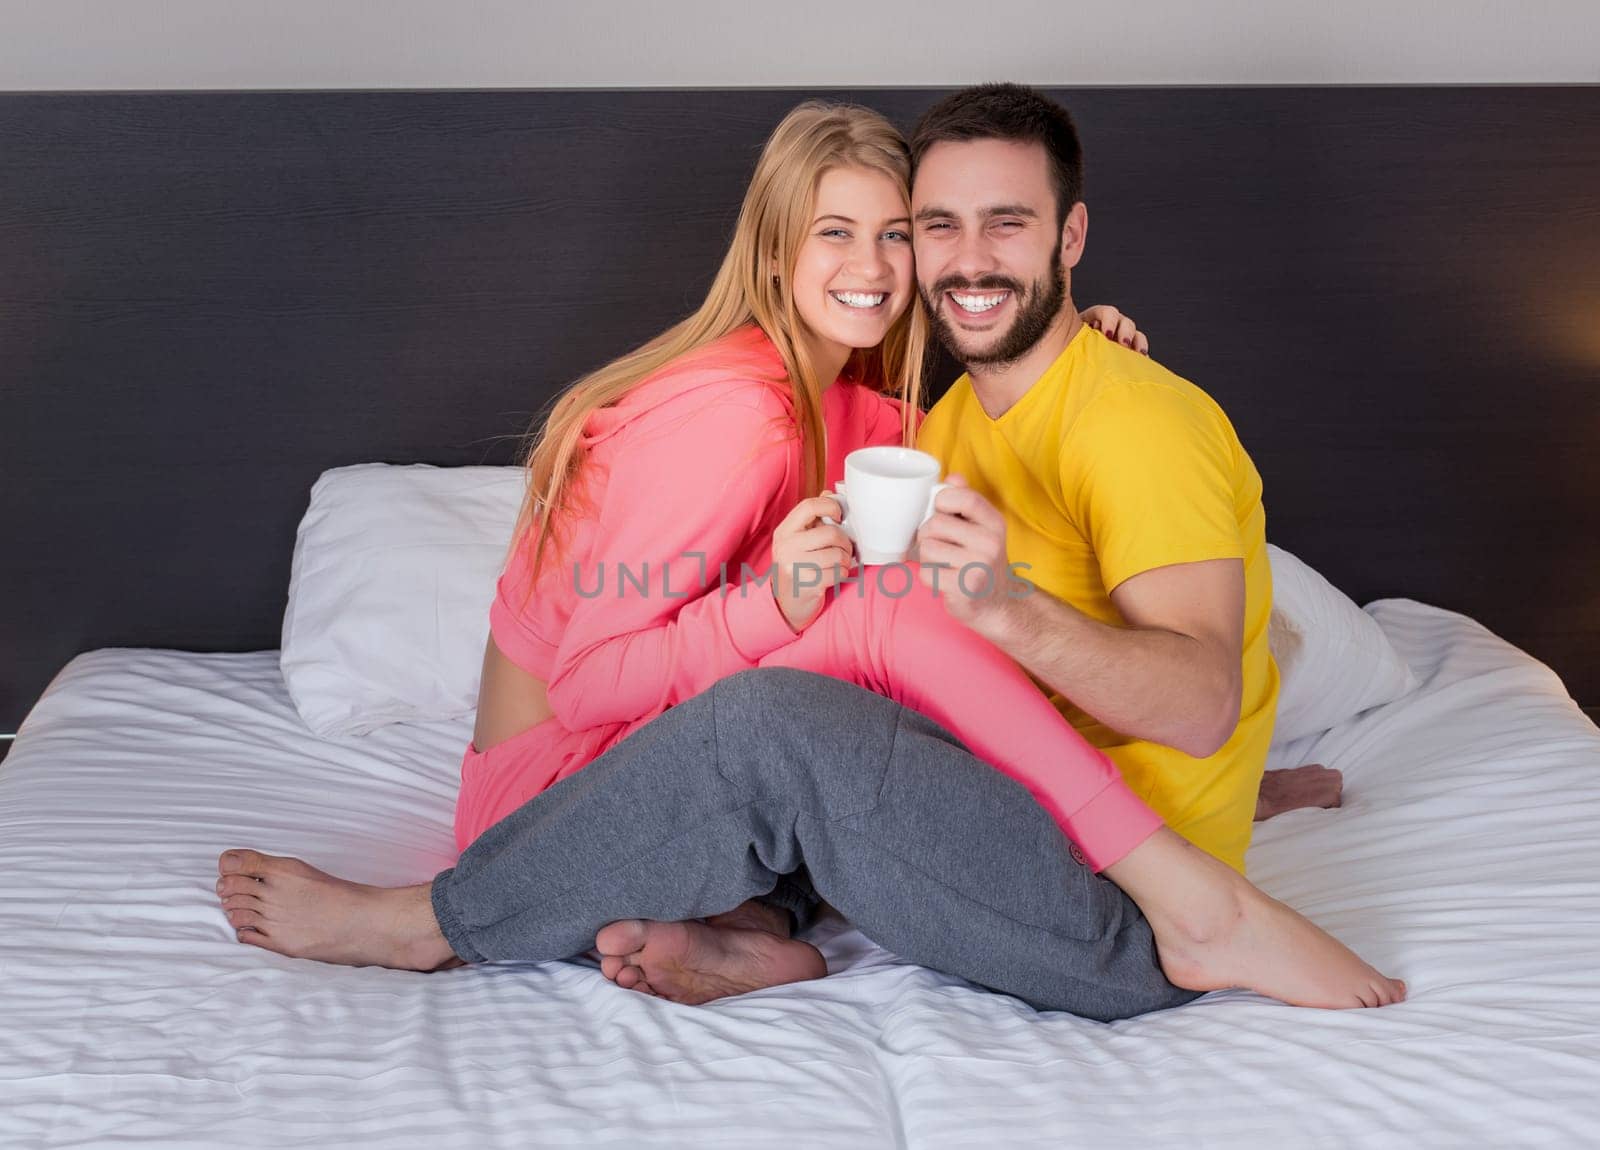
column 808, row 557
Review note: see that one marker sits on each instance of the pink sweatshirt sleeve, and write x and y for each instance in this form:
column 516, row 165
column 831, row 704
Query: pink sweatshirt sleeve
column 691, row 481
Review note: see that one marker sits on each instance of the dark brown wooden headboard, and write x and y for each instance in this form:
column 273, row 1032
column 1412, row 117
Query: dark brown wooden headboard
column 207, row 298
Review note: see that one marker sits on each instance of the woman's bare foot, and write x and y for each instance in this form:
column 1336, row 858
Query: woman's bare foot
column 693, row 962
column 287, row 906
column 1214, row 929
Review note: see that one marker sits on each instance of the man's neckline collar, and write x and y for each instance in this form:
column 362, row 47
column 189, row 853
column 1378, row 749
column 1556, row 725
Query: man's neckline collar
column 1032, row 388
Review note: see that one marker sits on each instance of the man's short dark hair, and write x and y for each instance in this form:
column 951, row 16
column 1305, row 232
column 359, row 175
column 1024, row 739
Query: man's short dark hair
column 1008, row 112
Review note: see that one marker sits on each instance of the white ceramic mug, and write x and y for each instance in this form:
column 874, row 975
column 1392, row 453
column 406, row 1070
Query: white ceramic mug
column 887, row 493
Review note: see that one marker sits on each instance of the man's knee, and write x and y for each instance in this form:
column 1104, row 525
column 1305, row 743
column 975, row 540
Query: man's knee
column 784, row 696
column 812, row 740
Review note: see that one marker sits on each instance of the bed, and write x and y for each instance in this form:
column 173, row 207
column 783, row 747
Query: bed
column 1463, row 861
column 209, row 299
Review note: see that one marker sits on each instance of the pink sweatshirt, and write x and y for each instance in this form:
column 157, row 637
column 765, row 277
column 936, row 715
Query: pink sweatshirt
column 691, row 470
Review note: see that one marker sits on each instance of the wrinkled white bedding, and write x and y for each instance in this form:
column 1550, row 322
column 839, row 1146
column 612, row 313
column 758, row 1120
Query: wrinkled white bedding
column 1465, row 860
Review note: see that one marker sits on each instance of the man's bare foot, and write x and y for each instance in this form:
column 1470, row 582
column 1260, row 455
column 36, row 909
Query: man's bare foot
column 753, row 914
column 1214, row 929
column 694, row 962
column 284, row 905
column 1295, row 789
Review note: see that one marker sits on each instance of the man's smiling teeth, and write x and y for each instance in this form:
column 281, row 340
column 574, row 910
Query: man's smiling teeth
column 979, row 302
column 858, row 298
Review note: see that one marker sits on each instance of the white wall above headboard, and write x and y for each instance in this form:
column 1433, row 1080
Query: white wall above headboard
column 138, row 44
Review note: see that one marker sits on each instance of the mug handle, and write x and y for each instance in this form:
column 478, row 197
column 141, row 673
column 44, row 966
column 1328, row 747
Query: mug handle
column 844, row 512
column 932, row 495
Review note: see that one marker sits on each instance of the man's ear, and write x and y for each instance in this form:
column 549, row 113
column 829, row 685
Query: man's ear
column 1074, row 229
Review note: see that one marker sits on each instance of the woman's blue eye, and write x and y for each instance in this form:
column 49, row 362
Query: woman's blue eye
column 834, row 232
column 896, row 235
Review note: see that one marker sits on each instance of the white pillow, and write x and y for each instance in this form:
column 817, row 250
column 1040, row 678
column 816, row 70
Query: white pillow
column 1334, row 661
column 394, row 570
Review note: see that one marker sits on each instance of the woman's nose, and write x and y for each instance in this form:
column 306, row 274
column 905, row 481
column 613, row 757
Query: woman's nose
column 869, row 263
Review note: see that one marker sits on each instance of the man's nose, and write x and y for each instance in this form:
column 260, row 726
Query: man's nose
column 973, row 257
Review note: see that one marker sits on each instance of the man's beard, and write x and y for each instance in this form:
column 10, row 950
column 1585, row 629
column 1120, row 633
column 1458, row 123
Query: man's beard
column 1036, row 311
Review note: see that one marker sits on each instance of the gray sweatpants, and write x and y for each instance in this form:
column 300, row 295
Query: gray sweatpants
column 928, row 851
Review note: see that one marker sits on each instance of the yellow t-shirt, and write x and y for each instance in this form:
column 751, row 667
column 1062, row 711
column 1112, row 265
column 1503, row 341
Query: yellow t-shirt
column 1109, row 466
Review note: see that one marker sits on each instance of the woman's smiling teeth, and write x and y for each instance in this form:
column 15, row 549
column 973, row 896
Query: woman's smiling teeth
column 976, row 302
column 859, row 299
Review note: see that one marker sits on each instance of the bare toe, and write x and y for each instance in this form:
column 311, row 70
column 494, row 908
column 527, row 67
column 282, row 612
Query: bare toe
column 611, row 965
column 242, row 917
column 237, row 884
column 626, row 936
column 629, row 977
column 244, row 862
column 242, row 902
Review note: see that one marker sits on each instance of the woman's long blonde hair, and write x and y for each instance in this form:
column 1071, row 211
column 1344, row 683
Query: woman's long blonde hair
column 814, row 138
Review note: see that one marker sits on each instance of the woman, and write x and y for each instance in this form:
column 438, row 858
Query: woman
column 665, row 481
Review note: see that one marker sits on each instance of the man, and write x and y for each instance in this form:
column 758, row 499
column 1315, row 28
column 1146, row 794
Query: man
column 1119, row 489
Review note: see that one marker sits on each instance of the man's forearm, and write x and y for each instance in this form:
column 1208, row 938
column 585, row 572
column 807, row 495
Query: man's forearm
column 1151, row 684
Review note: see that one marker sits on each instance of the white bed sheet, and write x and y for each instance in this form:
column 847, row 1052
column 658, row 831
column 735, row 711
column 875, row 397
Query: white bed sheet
column 1465, row 860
